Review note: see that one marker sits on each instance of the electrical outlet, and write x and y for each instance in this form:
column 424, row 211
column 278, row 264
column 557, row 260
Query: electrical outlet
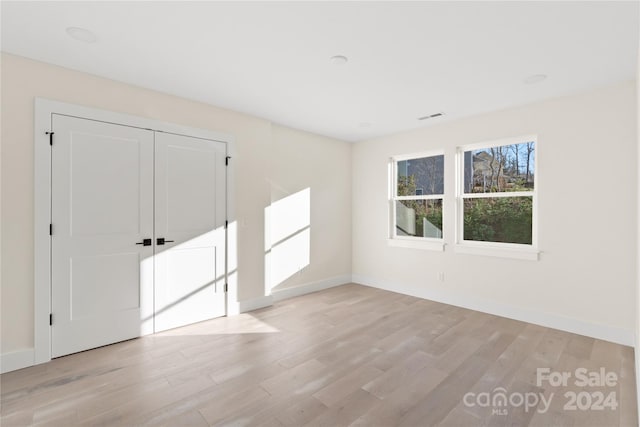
column 441, row 276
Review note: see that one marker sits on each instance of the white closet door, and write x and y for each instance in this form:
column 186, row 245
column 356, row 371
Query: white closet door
column 102, row 205
column 190, row 216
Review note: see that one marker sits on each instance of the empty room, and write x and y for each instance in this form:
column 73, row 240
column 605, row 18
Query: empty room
column 319, row 213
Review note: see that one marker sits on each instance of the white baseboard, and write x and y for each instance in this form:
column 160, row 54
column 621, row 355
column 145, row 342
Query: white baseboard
column 16, row 360
column 255, row 303
column 285, row 293
column 549, row 320
column 307, row 288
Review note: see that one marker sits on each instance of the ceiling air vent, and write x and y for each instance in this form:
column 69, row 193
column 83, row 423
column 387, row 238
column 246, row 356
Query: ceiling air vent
column 431, row 116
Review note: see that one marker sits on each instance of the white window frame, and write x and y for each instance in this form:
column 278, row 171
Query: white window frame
column 498, row 249
column 414, row 242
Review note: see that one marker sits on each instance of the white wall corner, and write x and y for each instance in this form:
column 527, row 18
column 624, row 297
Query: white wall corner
column 16, row 360
column 549, row 320
column 285, row 293
column 254, row 304
column 307, row 288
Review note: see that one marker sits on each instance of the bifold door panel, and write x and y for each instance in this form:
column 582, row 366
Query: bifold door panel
column 189, row 217
column 108, row 260
column 102, row 204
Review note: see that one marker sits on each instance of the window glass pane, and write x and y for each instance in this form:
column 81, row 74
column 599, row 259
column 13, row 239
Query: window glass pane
column 499, row 169
column 422, row 176
column 420, row 218
column 499, row 219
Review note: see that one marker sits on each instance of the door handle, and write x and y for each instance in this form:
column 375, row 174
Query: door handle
column 145, row 242
column 161, row 241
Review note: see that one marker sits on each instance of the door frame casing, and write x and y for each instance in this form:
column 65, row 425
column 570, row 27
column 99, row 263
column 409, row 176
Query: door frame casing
column 44, row 110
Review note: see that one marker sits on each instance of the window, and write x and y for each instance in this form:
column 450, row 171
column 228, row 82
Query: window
column 497, row 194
column 418, row 188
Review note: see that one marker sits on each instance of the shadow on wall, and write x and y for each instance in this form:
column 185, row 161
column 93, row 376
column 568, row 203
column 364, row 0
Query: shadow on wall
column 287, row 240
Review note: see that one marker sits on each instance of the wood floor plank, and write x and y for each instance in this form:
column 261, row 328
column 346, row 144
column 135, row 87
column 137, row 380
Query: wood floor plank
column 152, row 401
column 301, row 412
column 388, row 359
column 220, row 405
column 185, row 419
column 350, row 355
column 460, row 417
column 337, row 391
column 392, row 408
column 387, row 382
column 345, row 411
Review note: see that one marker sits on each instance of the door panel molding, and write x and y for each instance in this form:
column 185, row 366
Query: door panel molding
column 44, row 111
column 102, row 205
column 190, row 176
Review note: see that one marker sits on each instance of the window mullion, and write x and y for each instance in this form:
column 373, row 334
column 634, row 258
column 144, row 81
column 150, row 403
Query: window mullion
column 423, row 197
column 497, row 194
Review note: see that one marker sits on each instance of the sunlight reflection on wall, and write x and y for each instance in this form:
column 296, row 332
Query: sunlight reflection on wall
column 287, row 238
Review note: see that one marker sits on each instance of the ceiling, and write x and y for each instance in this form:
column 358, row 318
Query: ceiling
column 405, row 59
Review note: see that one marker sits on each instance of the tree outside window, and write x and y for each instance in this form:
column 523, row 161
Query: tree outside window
column 418, row 194
column 498, row 193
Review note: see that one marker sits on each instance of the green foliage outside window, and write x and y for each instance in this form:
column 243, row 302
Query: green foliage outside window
column 429, row 209
column 501, row 219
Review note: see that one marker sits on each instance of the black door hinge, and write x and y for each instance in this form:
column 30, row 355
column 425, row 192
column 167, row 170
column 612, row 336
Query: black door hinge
column 50, row 319
column 226, row 224
column 50, row 137
column 226, row 287
column 226, row 160
column 50, row 229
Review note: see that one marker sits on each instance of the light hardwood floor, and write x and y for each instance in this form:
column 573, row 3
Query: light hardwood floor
column 350, row 355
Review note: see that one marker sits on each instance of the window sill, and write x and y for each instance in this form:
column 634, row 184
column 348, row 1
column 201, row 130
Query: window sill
column 427, row 245
column 528, row 254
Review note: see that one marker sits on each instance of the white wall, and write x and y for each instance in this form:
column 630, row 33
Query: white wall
column 637, row 297
column 258, row 143
column 302, row 161
column 585, row 279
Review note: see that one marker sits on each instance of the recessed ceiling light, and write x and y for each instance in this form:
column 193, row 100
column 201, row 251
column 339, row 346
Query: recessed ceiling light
column 536, row 78
column 339, row 60
column 81, row 34
column 364, row 125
